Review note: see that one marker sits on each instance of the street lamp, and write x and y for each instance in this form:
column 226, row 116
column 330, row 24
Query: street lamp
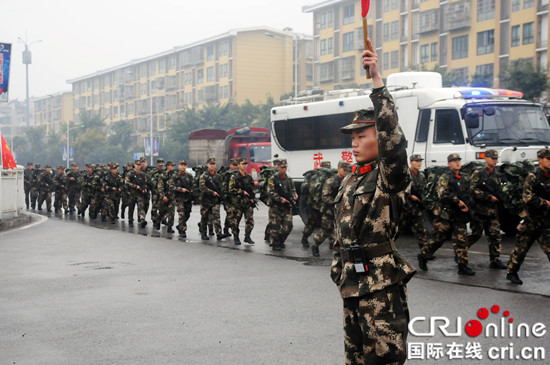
column 27, row 60
column 295, row 44
column 68, row 143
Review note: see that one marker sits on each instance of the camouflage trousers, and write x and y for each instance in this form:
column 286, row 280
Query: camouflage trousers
column 210, row 213
column 230, row 211
column 123, row 202
column 184, row 212
column 443, row 230
column 146, row 202
column 60, row 200
column 327, row 229
column 280, row 221
column 74, row 200
column 34, row 197
column 528, row 232
column 491, row 226
column 238, row 212
column 155, row 208
column 313, row 221
column 27, row 195
column 166, row 211
column 414, row 218
column 111, row 202
column 375, row 327
column 139, row 200
column 47, row 197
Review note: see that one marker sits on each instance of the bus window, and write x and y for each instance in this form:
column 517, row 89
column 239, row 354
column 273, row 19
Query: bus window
column 447, row 127
column 313, row 133
column 423, row 126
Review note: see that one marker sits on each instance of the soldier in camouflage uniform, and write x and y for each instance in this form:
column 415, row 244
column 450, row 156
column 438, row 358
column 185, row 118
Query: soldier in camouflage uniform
column 181, row 184
column 329, row 192
column 241, row 193
column 314, row 200
column 27, row 183
column 45, row 186
column 148, row 183
column 413, row 211
column 60, row 190
column 451, row 217
column 112, row 187
column 86, row 185
column 228, row 203
column 34, row 185
column 136, row 183
column 73, row 187
column 211, row 198
column 124, row 198
column 371, row 275
column 536, row 216
column 166, row 196
column 485, row 184
column 154, row 176
column 281, row 196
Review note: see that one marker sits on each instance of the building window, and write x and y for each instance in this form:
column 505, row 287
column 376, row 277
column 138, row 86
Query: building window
column 224, row 48
column 210, row 53
column 516, row 5
column 528, row 33
column 394, row 59
column 210, row 74
column 162, row 68
column 326, row 72
column 323, row 47
column 143, row 70
column 330, row 19
column 516, row 35
column 424, row 53
column 349, row 14
column 394, row 27
column 348, row 42
column 200, row 76
column 528, row 4
column 329, row 46
column 487, row 69
column 485, row 42
column 386, row 60
column 434, row 51
column 386, row 32
column 223, row 70
column 485, row 10
column 460, row 47
column 172, row 63
column 323, row 17
column 348, row 68
column 153, row 68
column 187, row 78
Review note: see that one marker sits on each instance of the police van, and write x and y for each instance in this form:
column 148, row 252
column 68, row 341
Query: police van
column 436, row 121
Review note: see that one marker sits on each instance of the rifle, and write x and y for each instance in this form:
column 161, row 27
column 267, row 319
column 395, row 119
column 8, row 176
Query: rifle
column 139, row 184
column 416, row 192
column 489, row 189
column 466, row 200
column 112, row 182
column 541, row 190
column 210, row 184
column 249, row 190
column 283, row 193
column 182, row 183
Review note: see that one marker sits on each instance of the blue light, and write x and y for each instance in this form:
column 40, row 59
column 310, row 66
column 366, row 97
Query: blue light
column 341, row 103
column 476, row 92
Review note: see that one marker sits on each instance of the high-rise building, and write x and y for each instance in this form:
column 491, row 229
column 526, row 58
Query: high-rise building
column 463, row 37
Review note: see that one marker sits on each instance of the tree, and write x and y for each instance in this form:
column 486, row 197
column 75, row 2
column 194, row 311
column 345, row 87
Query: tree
column 524, row 76
column 452, row 78
column 482, row 80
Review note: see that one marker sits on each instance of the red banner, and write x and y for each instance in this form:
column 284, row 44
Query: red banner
column 365, row 5
column 7, row 158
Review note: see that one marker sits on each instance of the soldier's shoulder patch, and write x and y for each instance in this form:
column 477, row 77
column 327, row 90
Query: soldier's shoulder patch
column 444, row 181
column 475, row 178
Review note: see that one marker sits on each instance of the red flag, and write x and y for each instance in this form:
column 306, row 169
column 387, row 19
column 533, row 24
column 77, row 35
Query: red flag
column 365, row 5
column 7, row 158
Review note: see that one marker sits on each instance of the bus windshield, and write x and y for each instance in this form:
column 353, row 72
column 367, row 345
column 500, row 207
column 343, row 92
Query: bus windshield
column 509, row 124
column 260, row 154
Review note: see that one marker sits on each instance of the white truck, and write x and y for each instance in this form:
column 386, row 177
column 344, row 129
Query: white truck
column 436, row 121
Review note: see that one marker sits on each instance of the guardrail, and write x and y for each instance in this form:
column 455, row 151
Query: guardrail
column 12, row 192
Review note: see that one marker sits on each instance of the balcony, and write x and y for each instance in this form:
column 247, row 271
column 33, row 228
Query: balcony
column 457, row 15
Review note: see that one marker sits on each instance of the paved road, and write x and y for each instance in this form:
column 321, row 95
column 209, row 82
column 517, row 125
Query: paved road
column 71, row 293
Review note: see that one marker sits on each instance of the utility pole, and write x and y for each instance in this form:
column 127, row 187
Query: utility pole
column 27, row 60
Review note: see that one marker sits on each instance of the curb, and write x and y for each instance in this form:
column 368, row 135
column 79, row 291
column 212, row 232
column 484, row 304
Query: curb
column 14, row 222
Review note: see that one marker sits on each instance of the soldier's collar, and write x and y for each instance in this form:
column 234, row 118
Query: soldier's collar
column 361, row 170
column 212, row 173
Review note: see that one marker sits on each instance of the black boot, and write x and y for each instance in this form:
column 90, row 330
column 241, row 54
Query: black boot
column 305, row 242
column 226, row 233
column 113, row 221
column 122, row 214
column 130, row 223
column 103, row 218
column 211, row 231
column 514, row 278
column 204, row 237
column 157, row 226
column 143, row 223
column 170, row 230
column 220, row 237
column 248, row 240
column 183, row 234
column 422, row 262
column 463, row 269
column 276, row 247
column 497, row 264
column 237, row 240
column 315, row 251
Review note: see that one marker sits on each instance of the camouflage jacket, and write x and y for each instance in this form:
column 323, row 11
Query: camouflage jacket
column 73, row 182
column 45, row 181
column 481, row 198
column 112, row 185
column 536, row 193
column 329, row 192
column 60, row 183
column 163, row 186
column 274, row 196
column 179, row 181
column 315, row 187
column 208, row 181
column 238, row 184
column 418, row 183
column 449, row 191
column 34, row 178
column 136, row 183
column 154, row 176
column 27, row 176
column 368, row 207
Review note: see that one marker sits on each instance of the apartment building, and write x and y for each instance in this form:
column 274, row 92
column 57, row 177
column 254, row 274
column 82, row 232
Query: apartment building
column 53, row 111
column 464, row 37
column 236, row 66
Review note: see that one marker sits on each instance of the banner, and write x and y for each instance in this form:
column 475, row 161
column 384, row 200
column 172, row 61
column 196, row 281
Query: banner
column 147, row 145
column 71, row 153
column 155, row 146
column 8, row 162
column 5, row 57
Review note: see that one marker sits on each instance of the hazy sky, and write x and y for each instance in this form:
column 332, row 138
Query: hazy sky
column 81, row 37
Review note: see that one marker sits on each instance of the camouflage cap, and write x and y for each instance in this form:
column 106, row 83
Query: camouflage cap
column 211, row 160
column 283, row 163
column 48, row 166
column 542, row 153
column 491, row 153
column 37, row 165
column 88, row 164
column 137, row 162
column 243, row 160
column 325, row 164
column 29, row 163
column 416, row 157
column 183, row 162
column 60, row 167
column 74, row 164
column 453, row 156
column 363, row 118
column 344, row 165
column 276, row 162
column 234, row 161
column 142, row 159
column 170, row 163
column 160, row 161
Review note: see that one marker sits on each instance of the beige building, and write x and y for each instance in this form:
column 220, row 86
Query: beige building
column 236, row 66
column 53, row 111
column 464, row 37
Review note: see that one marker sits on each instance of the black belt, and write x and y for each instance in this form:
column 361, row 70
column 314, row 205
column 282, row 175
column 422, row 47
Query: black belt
column 369, row 252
